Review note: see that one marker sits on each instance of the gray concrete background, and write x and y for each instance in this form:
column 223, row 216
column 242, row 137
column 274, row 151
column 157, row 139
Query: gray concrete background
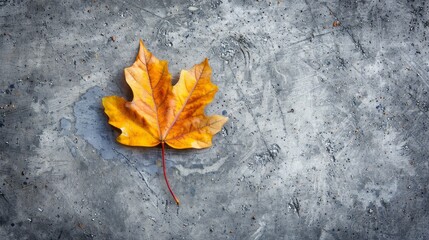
column 327, row 137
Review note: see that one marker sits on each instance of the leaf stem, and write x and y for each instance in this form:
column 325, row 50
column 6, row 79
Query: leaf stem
column 165, row 174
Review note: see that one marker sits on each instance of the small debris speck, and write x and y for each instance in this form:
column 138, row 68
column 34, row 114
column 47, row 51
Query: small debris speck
column 336, row 23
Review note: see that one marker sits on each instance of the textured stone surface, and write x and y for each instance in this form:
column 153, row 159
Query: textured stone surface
column 327, row 138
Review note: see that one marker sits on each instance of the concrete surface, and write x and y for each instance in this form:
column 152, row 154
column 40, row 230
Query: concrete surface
column 327, row 138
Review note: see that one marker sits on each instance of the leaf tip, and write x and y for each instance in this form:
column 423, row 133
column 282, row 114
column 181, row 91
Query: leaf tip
column 206, row 63
column 105, row 101
column 141, row 43
column 143, row 51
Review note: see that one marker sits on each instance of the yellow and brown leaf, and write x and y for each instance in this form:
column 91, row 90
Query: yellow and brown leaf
column 160, row 112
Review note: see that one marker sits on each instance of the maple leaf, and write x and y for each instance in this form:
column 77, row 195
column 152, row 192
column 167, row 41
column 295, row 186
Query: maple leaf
column 161, row 113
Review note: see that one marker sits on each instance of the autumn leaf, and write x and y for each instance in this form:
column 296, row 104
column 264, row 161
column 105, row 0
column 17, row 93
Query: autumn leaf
column 161, row 113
